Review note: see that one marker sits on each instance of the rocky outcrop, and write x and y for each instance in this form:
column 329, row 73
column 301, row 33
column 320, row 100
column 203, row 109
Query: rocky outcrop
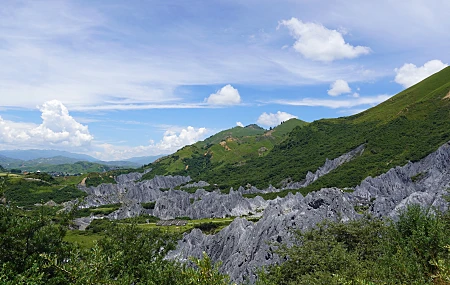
column 328, row 166
column 204, row 204
column 244, row 246
column 82, row 223
column 424, row 182
column 127, row 190
column 197, row 185
column 127, row 211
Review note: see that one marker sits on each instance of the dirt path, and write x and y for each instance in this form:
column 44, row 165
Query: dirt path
column 83, row 182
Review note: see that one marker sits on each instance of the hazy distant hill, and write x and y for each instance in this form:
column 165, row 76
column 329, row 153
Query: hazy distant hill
column 143, row 159
column 30, row 154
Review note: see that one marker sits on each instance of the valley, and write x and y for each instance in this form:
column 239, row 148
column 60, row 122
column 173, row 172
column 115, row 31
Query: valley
column 244, row 196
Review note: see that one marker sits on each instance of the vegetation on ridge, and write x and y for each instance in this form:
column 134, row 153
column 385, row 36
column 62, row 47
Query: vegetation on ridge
column 229, row 148
column 406, row 127
column 414, row 250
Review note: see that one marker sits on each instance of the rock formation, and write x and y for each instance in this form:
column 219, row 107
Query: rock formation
column 242, row 247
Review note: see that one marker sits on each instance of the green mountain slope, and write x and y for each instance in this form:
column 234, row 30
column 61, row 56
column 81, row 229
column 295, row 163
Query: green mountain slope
column 236, row 132
column 406, row 127
column 233, row 147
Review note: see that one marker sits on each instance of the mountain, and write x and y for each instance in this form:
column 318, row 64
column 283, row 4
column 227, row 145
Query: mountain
column 31, row 154
column 63, row 164
column 230, row 148
column 8, row 162
column 142, row 160
column 404, row 128
column 236, row 132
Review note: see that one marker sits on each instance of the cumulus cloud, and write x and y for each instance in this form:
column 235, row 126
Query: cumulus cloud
column 316, row 42
column 409, row 74
column 227, row 95
column 239, row 124
column 339, row 87
column 270, row 120
column 171, row 142
column 58, row 128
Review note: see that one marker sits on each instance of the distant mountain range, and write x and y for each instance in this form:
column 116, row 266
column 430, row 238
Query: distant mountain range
column 64, row 161
column 31, row 154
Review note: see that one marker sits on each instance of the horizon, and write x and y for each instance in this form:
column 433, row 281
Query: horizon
column 116, row 81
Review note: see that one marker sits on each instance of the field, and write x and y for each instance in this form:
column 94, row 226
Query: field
column 87, row 238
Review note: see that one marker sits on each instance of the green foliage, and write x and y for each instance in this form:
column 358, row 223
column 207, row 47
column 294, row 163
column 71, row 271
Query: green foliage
column 142, row 219
column 42, row 176
column 95, row 179
column 25, row 192
column 407, row 127
column 66, row 168
column 207, row 228
column 184, row 218
column 149, row 205
column 14, row 171
column 100, row 210
column 417, row 177
column 231, row 147
column 23, row 238
column 99, row 225
column 368, row 251
column 205, row 273
column 32, row 251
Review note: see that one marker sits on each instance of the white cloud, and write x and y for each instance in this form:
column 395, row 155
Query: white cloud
column 335, row 104
column 171, row 142
column 339, row 87
column 409, row 74
column 58, row 128
column 239, row 124
column 270, row 120
column 355, row 95
column 316, row 42
column 227, row 95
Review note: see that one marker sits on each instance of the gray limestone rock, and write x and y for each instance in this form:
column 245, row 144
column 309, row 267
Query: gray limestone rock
column 243, row 246
column 197, row 185
column 128, row 190
column 205, row 204
column 328, row 166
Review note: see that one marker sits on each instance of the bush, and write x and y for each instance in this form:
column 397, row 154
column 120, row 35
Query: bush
column 149, row 205
column 368, row 251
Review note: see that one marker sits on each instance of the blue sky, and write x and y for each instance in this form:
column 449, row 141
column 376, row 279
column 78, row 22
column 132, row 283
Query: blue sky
column 118, row 79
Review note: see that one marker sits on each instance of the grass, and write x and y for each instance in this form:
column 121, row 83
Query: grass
column 85, row 239
column 231, row 147
column 6, row 174
column 220, row 222
column 29, row 192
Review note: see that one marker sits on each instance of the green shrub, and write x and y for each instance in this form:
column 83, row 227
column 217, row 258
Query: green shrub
column 149, row 205
column 368, row 251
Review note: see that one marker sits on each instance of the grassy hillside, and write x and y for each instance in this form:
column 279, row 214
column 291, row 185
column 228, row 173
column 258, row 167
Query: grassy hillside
column 406, row 127
column 51, row 165
column 27, row 190
column 233, row 147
